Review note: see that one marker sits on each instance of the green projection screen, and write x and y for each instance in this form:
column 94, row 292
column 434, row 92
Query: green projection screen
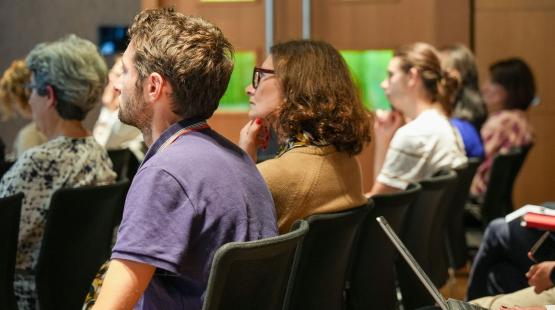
column 369, row 68
column 235, row 98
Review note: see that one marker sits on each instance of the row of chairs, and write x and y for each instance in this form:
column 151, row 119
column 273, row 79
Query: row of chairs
column 342, row 261
column 333, row 261
column 77, row 239
column 336, row 264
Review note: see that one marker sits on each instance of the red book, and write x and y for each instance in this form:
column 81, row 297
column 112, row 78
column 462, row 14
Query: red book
column 540, row 221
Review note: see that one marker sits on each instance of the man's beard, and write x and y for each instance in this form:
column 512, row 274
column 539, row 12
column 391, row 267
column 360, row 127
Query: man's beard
column 135, row 112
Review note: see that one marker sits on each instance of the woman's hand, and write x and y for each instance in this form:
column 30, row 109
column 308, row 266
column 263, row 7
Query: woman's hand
column 386, row 124
column 254, row 135
column 539, row 276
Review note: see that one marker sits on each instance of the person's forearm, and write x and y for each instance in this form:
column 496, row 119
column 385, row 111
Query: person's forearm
column 124, row 283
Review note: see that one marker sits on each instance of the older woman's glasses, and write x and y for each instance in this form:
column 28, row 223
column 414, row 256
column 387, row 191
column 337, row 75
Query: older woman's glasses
column 258, row 74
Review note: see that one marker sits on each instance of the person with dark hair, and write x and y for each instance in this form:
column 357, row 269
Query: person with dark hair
column 469, row 111
column 195, row 190
column 508, row 93
column 67, row 77
column 501, row 262
column 419, row 91
column 304, row 91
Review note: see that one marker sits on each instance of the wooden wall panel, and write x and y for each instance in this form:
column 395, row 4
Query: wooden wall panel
column 524, row 28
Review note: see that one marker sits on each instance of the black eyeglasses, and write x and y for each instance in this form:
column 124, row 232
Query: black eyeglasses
column 258, row 74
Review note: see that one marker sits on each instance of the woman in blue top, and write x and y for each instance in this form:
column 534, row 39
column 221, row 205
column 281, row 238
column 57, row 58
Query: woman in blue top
column 469, row 111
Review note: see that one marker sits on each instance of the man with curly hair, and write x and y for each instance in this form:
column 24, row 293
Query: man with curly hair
column 195, row 190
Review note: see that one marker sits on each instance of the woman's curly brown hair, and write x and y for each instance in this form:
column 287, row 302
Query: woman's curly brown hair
column 12, row 89
column 320, row 96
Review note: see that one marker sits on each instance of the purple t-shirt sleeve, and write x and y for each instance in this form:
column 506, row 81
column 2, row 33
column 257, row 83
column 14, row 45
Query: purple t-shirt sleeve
column 157, row 221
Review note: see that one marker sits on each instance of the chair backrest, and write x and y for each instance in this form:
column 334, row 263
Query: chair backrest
column 77, row 239
column 498, row 200
column 125, row 164
column 253, row 275
column 4, row 167
column 455, row 242
column 425, row 219
column 10, row 212
column 375, row 255
column 324, row 260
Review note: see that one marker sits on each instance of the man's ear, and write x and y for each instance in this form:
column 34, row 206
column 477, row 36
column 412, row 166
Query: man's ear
column 155, row 85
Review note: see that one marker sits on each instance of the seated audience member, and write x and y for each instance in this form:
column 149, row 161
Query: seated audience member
column 67, row 77
column 469, row 110
column 508, row 93
column 195, row 190
column 109, row 131
column 304, row 91
column 539, row 296
column 14, row 99
column 502, row 262
column 419, row 91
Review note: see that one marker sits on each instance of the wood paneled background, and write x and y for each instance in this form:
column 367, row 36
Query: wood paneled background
column 503, row 28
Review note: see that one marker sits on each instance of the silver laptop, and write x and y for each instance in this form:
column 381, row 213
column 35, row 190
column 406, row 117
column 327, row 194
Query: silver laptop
column 450, row 304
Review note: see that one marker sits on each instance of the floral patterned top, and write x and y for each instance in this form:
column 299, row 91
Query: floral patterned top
column 38, row 173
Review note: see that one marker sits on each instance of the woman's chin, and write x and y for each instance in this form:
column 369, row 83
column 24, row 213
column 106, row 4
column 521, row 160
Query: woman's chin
column 253, row 115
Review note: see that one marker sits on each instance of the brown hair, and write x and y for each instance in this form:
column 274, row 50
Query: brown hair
column 320, row 96
column 468, row 102
column 516, row 78
column 438, row 84
column 12, row 89
column 191, row 53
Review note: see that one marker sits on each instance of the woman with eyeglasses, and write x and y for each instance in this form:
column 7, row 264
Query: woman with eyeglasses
column 67, row 78
column 304, row 91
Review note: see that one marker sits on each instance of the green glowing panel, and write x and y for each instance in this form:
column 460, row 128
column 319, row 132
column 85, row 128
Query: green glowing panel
column 369, row 69
column 235, row 98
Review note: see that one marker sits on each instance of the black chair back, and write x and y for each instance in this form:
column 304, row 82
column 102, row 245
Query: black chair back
column 10, row 213
column 253, row 275
column 375, row 256
column 498, row 200
column 455, row 242
column 4, row 167
column 324, row 261
column 422, row 236
column 125, row 164
column 77, row 239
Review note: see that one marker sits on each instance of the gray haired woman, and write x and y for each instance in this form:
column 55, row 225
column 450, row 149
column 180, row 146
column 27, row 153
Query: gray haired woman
column 67, row 79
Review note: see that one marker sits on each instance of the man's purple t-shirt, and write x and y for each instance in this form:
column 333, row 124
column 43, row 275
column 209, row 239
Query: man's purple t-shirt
column 185, row 202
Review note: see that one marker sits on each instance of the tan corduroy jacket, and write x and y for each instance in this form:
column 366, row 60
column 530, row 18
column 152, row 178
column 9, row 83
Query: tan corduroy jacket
column 309, row 180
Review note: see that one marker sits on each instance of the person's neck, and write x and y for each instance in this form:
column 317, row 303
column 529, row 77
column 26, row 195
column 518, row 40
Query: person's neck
column 67, row 128
column 416, row 107
column 160, row 122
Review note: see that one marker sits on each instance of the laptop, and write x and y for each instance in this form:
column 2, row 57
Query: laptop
column 450, row 304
